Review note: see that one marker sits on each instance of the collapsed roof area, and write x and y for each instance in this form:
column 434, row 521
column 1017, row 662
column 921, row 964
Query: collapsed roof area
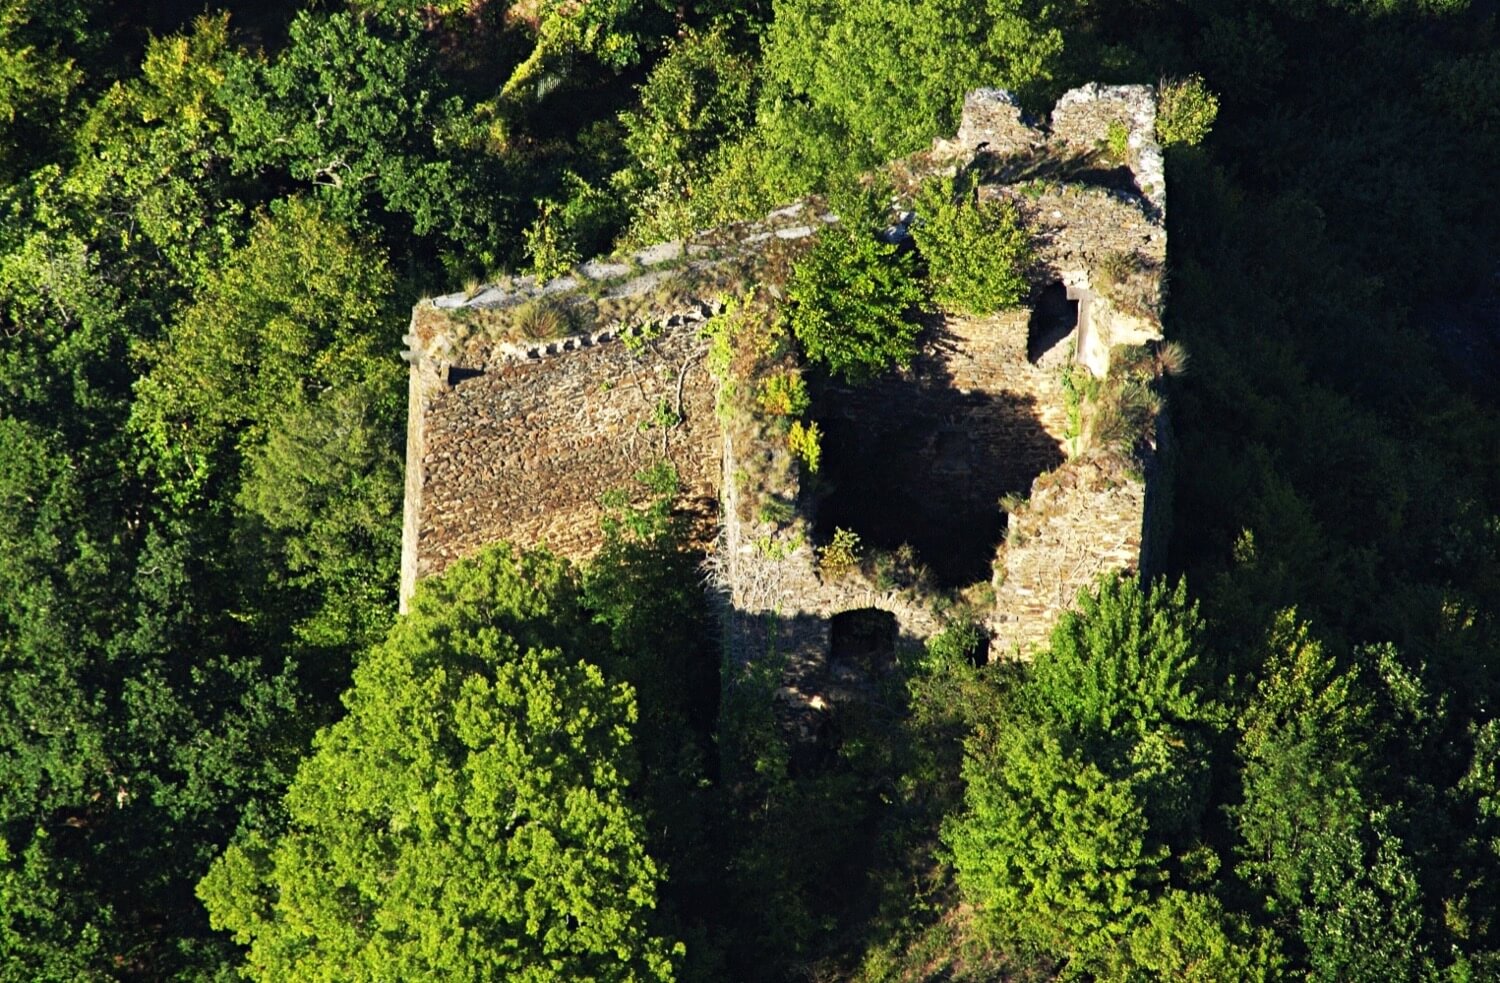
column 529, row 401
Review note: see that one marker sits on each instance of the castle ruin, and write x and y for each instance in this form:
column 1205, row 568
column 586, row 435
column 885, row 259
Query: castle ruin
column 529, row 401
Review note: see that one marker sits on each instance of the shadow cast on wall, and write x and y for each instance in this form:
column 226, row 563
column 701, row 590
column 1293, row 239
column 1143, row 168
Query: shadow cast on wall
column 911, row 459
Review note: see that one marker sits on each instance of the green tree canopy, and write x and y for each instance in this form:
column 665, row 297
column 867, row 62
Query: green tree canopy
column 1094, row 775
column 354, row 107
column 301, row 307
column 1306, row 760
column 469, row 818
column 853, row 300
column 894, row 75
column 152, row 182
column 1053, row 851
column 976, row 252
column 616, row 32
column 1314, row 839
column 1127, row 660
column 697, row 98
column 39, row 75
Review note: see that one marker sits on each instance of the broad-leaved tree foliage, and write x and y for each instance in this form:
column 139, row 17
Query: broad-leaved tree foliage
column 470, row 818
column 1315, row 837
column 47, row 932
column 40, row 42
column 141, row 717
column 1094, row 776
column 977, row 252
column 616, row 32
column 1188, row 935
column 697, row 98
column 324, row 492
column 153, row 182
column 65, row 361
column 1127, row 674
column 1127, row 660
column 893, row 75
column 1053, row 850
column 300, row 308
column 275, row 389
column 353, row 106
column 854, row 301
column 645, row 588
column 847, row 86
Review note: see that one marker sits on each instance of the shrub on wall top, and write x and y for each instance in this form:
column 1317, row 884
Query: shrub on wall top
column 851, row 299
column 1186, row 112
column 976, row 253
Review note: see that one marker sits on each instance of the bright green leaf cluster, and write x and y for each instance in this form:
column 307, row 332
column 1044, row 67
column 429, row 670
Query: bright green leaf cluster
column 1052, row 845
column 697, row 98
column 295, row 310
column 1185, row 112
column 469, row 818
column 977, row 252
column 1088, row 783
column 806, row 442
column 840, row 57
column 852, row 300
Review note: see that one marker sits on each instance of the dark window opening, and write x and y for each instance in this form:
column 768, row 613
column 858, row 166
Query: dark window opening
column 864, row 639
column 1052, row 320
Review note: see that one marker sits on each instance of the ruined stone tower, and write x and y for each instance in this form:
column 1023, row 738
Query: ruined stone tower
column 530, row 400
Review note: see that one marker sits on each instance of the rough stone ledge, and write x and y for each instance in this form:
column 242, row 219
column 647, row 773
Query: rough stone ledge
column 993, row 121
column 649, row 265
column 695, row 314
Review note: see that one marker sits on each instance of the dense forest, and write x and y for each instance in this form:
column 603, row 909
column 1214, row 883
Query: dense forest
column 222, row 754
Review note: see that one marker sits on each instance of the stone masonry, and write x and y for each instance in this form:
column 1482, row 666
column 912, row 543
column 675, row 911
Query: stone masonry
column 517, row 439
column 522, row 450
column 1085, row 510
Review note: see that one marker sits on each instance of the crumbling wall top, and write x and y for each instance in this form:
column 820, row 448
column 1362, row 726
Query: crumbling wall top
column 524, row 318
column 1084, row 117
column 1082, row 122
column 994, row 121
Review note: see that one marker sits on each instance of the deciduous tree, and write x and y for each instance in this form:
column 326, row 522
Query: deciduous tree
column 470, row 818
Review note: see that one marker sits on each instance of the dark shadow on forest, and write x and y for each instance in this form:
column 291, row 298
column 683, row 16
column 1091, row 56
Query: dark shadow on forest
column 840, row 838
column 1466, row 332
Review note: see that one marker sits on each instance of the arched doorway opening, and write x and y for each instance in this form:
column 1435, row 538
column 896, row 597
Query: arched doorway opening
column 863, row 640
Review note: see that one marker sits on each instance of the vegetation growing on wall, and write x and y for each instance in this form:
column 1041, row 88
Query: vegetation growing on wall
column 853, row 300
column 977, row 253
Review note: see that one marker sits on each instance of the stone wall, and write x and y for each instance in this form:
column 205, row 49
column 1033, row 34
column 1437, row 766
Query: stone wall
column 776, row 605
column 516, row 439
column 993, row 121
column 522, row 450
column 1082, row 520
column 1083, row 118
column 1078, row 231
column 923, row 456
